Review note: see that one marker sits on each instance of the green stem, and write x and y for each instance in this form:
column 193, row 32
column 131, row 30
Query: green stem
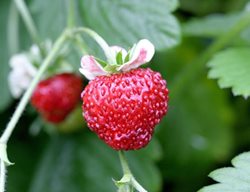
column 137, row 185
column 127, row 173
column 25, row 99
column 21, row 6
column 101, row 42
column 191, row 71
column 67, row 34
column 124, row 163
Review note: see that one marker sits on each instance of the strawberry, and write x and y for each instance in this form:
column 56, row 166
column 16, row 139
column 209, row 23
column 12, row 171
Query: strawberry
column 124, row 108
column 57, row 96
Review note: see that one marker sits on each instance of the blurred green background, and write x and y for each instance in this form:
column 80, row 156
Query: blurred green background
column 204, row 128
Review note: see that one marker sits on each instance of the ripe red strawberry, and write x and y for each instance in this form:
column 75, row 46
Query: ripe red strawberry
column 57, row 96
column 124, row 108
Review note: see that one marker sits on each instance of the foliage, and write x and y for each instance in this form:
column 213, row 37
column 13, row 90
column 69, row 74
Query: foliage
column 231, row 178
column 204, row 126
column 232, row 69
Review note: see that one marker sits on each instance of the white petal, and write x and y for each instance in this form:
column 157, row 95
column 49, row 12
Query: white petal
column 34, row 50
column 143, row 53
column 21, row 74
column 90, row 68
column 15, row 89
column 30, row 69
column 18, row 61
column 116, row 49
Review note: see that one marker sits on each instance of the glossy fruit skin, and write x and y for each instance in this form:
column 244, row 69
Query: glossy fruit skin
column 57, row 96
column 124, row 108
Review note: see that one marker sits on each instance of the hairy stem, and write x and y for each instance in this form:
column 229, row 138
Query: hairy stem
column 191, row 71
column 137, row 185
column 101, row 42
column 124, row 163
column 67, row 34
column 25, row 99
column 127, row 172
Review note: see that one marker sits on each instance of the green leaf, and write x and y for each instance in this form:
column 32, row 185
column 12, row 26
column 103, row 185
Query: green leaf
column 197, row 7
column 210, row 26
column 214, row 25
column 232, row 68
column 232, row 179
column 5, row 97
column 125, row 22
column 84, row 163
column 50, row 20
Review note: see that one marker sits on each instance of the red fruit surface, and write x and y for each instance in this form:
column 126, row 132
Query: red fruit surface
column 124, row 108
column 57, row 96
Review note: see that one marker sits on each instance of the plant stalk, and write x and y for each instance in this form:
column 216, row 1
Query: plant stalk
column 25, row 99
column 127, row 173
column 101, row 42
column 124, row 163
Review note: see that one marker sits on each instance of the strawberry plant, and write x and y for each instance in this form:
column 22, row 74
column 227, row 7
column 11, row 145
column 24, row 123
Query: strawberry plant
column 117, row 95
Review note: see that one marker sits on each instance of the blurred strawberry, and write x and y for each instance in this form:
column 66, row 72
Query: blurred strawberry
column 57, row 96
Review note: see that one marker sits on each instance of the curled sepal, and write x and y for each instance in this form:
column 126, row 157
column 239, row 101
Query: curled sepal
column 119, row 60
column 124, row 185
column 141, row 53
column 91, row 68
column 128, row 183
column 3, row 154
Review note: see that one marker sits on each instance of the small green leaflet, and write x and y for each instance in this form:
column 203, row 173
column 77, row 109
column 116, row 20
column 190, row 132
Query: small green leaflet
column 232, row 179
column 232, row 69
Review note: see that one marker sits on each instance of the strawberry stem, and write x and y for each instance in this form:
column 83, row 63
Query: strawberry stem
column 128, row 180
column 124, row 163
column 101, row 42
column 24, row 101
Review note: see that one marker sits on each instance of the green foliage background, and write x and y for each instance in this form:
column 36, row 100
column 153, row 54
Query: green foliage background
column 205, row 126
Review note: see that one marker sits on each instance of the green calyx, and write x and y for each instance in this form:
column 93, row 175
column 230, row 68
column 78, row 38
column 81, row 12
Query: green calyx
column 114, row 67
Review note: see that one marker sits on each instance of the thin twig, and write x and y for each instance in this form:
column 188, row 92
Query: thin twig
column 25, row 99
